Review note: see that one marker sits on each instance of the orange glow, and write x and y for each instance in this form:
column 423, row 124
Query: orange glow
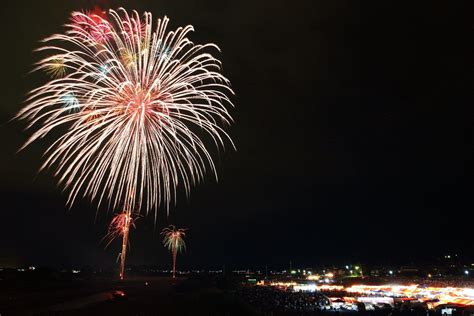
column 463, row 296
column 443, row 295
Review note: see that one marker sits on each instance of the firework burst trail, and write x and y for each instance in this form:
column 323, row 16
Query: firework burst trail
column 174, row 241
column 123, row 254
column 128, row 101
column 120, row 226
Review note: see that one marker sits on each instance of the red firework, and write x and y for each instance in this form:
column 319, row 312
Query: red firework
column 92, row 25
column 120, row 226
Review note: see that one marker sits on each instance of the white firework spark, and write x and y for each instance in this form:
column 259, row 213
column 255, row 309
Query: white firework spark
column 132, row 100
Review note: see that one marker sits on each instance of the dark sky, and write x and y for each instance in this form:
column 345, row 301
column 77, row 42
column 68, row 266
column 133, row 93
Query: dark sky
column 353, row 127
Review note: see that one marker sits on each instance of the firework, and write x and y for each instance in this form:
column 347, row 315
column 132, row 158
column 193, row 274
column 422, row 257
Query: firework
column 130, row 101
column 92, row 25
column 174, row 241
column 120, row 226
column 140, row 96
column 56, row 68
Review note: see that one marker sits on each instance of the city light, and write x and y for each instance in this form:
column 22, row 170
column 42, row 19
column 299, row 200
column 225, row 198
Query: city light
column 441, row 295
column 444, row 295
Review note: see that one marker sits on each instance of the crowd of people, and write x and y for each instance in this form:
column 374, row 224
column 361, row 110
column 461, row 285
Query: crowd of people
column 268, row 300
column 461, row 282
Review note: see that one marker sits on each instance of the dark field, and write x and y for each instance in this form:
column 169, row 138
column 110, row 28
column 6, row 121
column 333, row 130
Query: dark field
column 162, row 296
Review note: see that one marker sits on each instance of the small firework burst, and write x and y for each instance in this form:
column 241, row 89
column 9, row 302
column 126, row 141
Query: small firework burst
column 104, row 69
column 129, row 58
column 120, row 227
column 174, row 241
column 70, row 102
column 92, row 27
column 56, row 68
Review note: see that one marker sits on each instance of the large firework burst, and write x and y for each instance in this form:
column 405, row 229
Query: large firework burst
column 174, row 241
column 132, row 98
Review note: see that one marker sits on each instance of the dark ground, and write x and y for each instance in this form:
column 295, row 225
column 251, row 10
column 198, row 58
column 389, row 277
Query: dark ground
column 30, row 293
column 162, row 296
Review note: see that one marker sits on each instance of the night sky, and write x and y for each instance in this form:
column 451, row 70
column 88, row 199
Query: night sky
column 353, row 127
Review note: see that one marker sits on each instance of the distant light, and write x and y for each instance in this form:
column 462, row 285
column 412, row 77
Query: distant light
column 76, row 271
column 466, row 272
column 347, row 267
column 293, row 271
column 429, row 275
column 391, row 272
column 357, row 267
column 305, row 287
